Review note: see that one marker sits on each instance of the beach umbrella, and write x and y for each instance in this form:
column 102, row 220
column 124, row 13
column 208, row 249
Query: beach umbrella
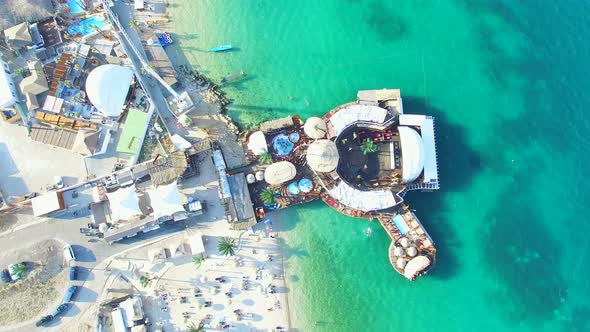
column 322, row 155
column 404, row 242
column 315, row 128
column 250, row 178
column 293, row 188
column 401, row 263
column 398, row 251
column 260, row 175
column 412, row 251
column 305, row 185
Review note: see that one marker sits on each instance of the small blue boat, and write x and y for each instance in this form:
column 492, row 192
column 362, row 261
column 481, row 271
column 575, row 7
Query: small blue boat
column 221, row 48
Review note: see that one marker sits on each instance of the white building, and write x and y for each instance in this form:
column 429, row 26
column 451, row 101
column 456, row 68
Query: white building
column 8, row 94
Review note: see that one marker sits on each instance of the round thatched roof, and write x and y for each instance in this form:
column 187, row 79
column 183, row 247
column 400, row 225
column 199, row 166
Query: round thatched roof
column 280, row 172
column 315, row 128
column 322, row 155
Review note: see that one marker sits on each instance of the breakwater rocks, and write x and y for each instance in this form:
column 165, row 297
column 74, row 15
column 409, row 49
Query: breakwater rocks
column 211, row 92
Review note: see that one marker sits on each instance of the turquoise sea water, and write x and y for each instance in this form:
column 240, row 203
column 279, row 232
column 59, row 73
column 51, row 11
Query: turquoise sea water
column 507, row 82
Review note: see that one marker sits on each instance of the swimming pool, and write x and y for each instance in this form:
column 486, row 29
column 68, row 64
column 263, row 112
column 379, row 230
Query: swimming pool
column 399, row 221
column 75, row 7
column 282, row 145
column 87, row 26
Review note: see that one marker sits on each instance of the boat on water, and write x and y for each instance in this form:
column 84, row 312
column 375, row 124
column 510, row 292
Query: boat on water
column 221, row 48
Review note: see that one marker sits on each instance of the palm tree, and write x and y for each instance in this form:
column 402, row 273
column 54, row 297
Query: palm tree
column 227, row 246
column 267, row 195
column 133, row 24
column 265, row 158
column 368, row 147
column 145, row 281
column 198, row 260
column 192, row 327
column 19, row 269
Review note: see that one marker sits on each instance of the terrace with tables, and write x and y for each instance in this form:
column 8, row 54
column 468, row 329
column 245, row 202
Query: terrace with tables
column 288, row 175
column 372, row 156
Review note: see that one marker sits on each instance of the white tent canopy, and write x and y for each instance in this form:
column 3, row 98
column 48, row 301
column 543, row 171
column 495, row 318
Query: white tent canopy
column 426, row 125
column 416, row 265
column 357, row 112
column 322, row 155
column 362, row 200
column 315, row 128
column 280, row 172
column 124, row 203
column 412, row 154
column 257, row 143
column 166, row 200
column 107, row 88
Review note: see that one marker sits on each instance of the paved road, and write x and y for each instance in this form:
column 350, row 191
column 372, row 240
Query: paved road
column 88, row 256
column 153, row 88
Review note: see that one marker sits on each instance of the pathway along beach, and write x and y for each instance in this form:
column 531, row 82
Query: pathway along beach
column 503, row 80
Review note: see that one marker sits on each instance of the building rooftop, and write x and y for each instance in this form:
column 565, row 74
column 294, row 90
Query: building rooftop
column 18, row 35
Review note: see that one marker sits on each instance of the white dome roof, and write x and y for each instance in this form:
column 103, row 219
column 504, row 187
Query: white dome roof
column 107, row 86
column 412, row 153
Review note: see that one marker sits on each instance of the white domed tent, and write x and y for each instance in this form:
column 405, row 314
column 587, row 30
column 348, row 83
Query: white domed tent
column 124, row 203
column 107, row 87
column 412, row 154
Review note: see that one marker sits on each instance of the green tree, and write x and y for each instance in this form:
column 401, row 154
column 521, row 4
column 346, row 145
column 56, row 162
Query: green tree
column 368, row 147
column 192, row 327
column 268, row 195
column 198, row 260
column 227, row 246
column 265, row 158
column 145, row 281
column 133, row 24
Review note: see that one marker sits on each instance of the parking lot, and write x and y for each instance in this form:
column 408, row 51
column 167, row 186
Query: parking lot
column 29, row 166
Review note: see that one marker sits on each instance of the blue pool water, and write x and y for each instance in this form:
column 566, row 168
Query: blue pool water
column 86, row 26
column 282, row 145
column 75, row 7
column 401, row 224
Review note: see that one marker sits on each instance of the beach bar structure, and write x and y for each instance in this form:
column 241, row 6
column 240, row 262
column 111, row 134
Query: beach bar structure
column 371, row 156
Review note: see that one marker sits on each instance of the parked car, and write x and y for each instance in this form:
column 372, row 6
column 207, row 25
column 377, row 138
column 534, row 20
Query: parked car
column 73, row 273
column 70, row 293
column 60, row 309
column 44, row 319
column 5, row 276
column 69, row 253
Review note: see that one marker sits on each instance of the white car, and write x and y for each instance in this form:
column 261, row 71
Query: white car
column 69, row 253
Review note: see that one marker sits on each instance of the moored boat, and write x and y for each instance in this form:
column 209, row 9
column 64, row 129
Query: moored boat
column 221, row 48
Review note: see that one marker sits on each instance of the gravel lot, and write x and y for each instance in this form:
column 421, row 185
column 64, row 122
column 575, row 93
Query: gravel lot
column 43, row 284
